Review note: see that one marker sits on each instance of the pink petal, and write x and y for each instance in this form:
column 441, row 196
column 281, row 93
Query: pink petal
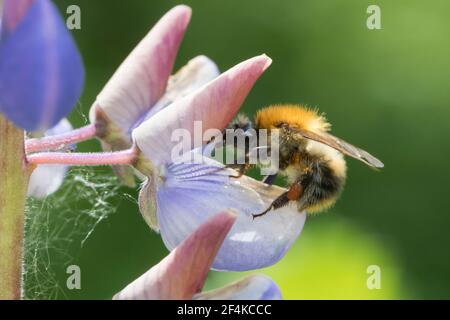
column 142, row 78
column 13, row 12
column 183, row 272
column 215, row 104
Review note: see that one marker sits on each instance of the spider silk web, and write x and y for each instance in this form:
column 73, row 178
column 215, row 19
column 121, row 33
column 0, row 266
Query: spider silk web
column 60, row 224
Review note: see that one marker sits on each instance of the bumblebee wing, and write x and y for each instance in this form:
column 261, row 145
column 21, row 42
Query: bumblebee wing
column 342, row 146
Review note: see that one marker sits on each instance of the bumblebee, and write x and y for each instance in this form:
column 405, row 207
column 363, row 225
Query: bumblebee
column 311, row 159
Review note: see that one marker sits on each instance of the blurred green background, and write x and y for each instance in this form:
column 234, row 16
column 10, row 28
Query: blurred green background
column 386, row 90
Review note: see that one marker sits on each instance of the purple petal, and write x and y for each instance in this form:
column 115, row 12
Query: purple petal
column 141, row 79
column 183, row 272
column 256, row 287
column 188, row 194
column 46, row 179
column 214, row 104
column 41, row 71
column 13, row 12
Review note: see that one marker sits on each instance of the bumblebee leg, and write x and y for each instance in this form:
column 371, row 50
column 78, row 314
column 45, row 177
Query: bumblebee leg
column 240, row 168
column 279, row 202
column 293, row 194
column 243, row 124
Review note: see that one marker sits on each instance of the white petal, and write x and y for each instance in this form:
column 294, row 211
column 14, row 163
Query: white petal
column 61, row 127
column 188, row 193
column 47, row 178
column 196, row 73
column 147, row 204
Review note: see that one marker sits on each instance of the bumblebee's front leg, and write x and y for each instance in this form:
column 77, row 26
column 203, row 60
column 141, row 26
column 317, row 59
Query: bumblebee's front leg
column 240, row 168
column 239, row 128
column 293, row 194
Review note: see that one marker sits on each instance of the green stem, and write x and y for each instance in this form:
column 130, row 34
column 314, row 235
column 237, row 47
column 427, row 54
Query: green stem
column 14, row 176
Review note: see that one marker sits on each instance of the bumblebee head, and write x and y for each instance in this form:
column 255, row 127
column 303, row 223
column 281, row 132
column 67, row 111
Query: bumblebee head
column 295, row 116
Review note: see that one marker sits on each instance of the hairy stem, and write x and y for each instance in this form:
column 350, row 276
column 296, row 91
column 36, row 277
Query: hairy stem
column 13, row 187
column 85, row 159
column 61, row 140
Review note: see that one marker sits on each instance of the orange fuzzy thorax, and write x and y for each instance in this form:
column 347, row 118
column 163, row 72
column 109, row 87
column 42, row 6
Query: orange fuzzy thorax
column 295, row 115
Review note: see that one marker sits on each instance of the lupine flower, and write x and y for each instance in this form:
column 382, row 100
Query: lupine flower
column 47, row 178
column 141, row 86
column 197, row 72
column 181, row 275
column 41, row 78
column 141, row 79
column 178, row 196
column 41, row 71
